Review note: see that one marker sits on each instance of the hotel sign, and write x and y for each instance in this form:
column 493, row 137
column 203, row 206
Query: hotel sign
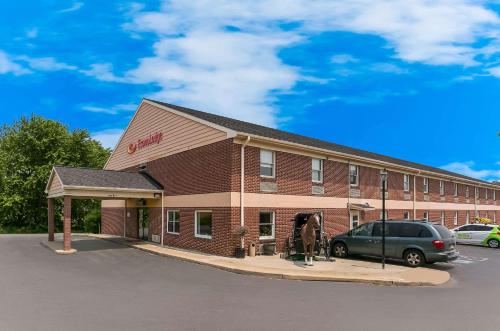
column 152, row 139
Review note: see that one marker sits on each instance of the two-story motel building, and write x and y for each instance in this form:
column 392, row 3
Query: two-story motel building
column 189, row 179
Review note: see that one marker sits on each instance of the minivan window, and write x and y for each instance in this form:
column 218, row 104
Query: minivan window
column 409, row 230
column 443, row 231
column 363, row 230
column 390, row 229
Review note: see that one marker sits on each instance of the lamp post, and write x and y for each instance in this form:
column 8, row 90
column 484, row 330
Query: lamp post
column 383, row 177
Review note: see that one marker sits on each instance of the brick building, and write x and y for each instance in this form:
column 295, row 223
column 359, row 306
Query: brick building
column 218, row 173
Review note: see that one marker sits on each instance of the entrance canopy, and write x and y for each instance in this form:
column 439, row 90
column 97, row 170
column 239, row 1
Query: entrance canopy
column 85, row 183
column 362, row 207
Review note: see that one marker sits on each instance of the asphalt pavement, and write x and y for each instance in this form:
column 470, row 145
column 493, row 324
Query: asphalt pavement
column 105, row 286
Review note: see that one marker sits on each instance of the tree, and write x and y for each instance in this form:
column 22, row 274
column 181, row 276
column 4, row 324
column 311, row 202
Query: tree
column 29, row 148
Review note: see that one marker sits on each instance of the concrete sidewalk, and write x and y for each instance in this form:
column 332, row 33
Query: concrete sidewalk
column 342, row 270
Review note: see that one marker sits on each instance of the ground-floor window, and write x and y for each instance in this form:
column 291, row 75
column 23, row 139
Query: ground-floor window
column 173, row 224
column 266, row 225
column 386, row 215
column 406, row 215
column 455, row 218
column 354, row 218
column 203, row 224
column 426, row 215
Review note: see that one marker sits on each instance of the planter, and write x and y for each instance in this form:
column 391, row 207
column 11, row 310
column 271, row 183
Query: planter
column 239, row 253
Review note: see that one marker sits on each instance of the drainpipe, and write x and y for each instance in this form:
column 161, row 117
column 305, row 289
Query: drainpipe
column 242, row 187
column 415, row 197
column 349, row 192
column 162, row 218
column 125, row 220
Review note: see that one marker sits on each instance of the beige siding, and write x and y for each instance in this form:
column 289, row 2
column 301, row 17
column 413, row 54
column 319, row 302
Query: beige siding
column 55, row 188
column 179, row 134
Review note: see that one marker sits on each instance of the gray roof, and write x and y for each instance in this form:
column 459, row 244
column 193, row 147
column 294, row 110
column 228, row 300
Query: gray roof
column 87, row 177
column 259, row 130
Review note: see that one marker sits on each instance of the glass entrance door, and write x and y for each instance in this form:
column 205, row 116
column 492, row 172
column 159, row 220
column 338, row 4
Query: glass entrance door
column 143, row 219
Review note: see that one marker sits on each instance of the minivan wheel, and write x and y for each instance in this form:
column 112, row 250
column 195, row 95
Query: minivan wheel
column 414, row 258
column 493, row 243
column 340, row 250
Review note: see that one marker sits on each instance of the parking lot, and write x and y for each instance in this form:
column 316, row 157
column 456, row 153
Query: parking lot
column 111, row 287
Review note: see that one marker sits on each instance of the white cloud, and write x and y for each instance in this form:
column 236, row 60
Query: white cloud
column 102, row 71
column 343, row 59
column 466, row 168
column 32, row 33
column 495, row 71
column 76, row 6
column 112, row 110
column 108, row 138
column 7, row 65
column 389, row 68
column 46, row 64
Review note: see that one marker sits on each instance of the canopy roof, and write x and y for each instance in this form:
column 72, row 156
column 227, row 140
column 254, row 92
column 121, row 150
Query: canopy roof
column 102, row 184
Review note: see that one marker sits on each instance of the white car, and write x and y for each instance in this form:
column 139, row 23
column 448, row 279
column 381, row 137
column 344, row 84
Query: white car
column 478, row 234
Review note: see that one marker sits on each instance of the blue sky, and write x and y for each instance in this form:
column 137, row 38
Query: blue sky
column 414, row 79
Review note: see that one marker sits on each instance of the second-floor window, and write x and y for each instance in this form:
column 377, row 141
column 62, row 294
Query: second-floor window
column 486, row 193
column 406, row 183
column 267, row 163
column 441, row 187
column 426, row 185
column 494, row 195
column 455, row 189
column 476, row 192
column 467, row 191
column 354, row 175
column 317, row 170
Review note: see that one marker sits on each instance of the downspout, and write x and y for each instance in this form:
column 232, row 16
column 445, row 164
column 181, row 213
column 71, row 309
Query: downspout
column 349, row 193
column 125, row 220
column 242, row 188
column 162, row 219
column 415, row 197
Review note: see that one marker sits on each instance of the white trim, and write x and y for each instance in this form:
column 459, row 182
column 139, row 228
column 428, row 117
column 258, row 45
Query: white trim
column 202, row 236
column 273, row 216
column 168, row 220
column 162, row 219
column 99, row 188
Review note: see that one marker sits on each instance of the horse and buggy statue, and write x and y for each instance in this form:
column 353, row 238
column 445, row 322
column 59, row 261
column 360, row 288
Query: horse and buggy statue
column 307, row 238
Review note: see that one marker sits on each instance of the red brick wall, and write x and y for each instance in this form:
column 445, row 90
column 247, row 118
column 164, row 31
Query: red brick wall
column 369, row 183
column 112, row 221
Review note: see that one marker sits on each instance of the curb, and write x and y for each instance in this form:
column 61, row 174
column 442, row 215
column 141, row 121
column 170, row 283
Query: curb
column 281, row 275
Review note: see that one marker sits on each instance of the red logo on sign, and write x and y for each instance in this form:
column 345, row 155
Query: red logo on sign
column 153, row 139
column 132, row 148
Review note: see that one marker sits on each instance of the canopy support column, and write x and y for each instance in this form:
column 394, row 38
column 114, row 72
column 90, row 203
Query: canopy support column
column 50, row 212
column 67, row 223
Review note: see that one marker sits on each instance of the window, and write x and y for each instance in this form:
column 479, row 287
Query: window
column 455, row 218
column 317, row 170
column 426, row 215
column 354, row 175
column 267, row 163
column 467, row 217
column 467, row 191
column 364, row 230
column 266, row 225
column 426, row 185
column 382, row 215
column 406, row 215
column 406, row 183
column 203, row 224
column 455, row 189
column 354, row 218
column 412, row 230
column 382, row 184
column 173, row 217
column 486, row 193
column 441, row 187
column 494, row 195
column 476, row 192
column 442, row 217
